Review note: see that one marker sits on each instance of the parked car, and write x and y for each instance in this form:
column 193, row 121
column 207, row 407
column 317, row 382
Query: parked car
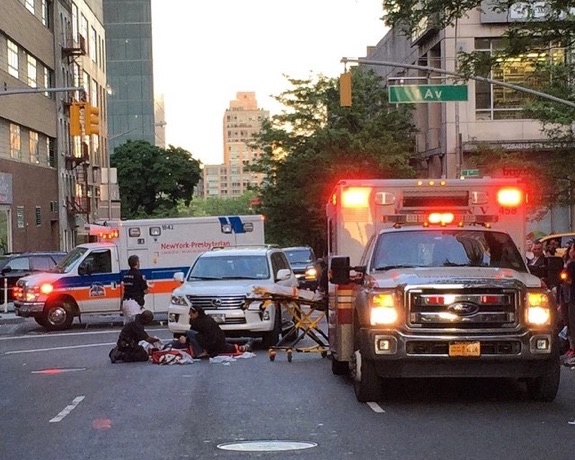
column 220, row 281
column 305, row 266
column 563, row 241
column 17, row 265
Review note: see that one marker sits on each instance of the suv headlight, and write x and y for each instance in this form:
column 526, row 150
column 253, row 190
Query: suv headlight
column 179, row 300
column 538, row 311
column 383, row 308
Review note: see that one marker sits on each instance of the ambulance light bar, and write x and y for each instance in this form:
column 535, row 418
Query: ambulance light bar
column 440, row 218
column 103, row 232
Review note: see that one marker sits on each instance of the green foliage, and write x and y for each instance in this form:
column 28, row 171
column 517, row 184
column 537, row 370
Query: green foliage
column 153, row 180
column 218, row 206
column 314, row 143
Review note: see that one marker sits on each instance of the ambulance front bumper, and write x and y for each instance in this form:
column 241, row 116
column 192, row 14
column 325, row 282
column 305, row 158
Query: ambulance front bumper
column 516, row 355
column 28, row 309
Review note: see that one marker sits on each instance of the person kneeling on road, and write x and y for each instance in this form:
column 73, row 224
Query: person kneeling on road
column 128, row 348
column 206, row 338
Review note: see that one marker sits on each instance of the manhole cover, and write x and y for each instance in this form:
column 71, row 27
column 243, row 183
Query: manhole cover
column 265, row 446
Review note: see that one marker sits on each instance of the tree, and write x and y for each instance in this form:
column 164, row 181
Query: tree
column 548, row 29
column 314, row 143
column 153, row 180
column 218, row 206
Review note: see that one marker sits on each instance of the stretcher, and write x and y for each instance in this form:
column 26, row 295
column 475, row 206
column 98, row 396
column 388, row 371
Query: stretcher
column 308, row 311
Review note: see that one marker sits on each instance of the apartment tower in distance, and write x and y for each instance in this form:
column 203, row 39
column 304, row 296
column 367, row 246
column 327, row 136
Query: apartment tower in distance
column 242, row 120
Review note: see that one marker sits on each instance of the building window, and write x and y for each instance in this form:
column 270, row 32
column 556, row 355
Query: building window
column 20, row 217
column 45, row 13
column 38, row 216
column 30, row 6
column 15, row 146
column 46, row 80
column 34, row 148
column 495, row 102
column 92, row 49
column 50, row 146
column 32, row 71
column 12, row 59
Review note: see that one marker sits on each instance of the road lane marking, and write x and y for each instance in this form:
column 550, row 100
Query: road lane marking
column 17, row 352
column 69, row 408
column 53, row 371
column 376, row 407
column 65, row 334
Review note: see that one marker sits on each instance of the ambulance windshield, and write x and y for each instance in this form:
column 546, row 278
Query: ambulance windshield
column 446, row 248
column 68, row 262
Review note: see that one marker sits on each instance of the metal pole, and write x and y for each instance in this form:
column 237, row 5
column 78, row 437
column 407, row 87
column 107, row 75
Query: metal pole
column 462, row 76
column 40, row 90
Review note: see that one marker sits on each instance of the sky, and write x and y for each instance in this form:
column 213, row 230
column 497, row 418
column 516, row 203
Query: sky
column 206, row 51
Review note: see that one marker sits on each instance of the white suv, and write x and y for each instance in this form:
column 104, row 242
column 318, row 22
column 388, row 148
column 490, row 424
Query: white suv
column 220, row 281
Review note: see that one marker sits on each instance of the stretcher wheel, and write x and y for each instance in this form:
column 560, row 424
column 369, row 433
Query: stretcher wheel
column 289, row 356
column 323, row 354
column 272, row 355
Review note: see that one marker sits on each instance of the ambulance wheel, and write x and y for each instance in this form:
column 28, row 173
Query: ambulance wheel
column 544, row 388
column 41, row 321
column 339, row 367
column 366, row 383
column 58, row 316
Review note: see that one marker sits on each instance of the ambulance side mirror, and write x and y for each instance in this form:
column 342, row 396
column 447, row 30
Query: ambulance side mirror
column 339, row 270
column 179, row 277
column 283, row 274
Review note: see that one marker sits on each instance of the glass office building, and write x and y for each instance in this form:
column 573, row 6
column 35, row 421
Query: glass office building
column 130, row 77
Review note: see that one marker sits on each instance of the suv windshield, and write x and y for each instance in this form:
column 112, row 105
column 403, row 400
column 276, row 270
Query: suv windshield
column 230, row 267
column 299, row 256
column 446, row 248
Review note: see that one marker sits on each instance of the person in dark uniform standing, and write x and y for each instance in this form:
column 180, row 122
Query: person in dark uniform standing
column 128, row 348
column 135, row 287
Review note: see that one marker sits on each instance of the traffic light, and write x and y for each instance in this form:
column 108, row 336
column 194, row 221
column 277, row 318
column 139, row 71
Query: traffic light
column 93, row 124
column 345, row 89
column 77, row 116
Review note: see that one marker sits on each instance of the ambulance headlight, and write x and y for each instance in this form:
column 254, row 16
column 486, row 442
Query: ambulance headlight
column 383, row 309
column 46, row 288
column 179, row 300
column 538, row 311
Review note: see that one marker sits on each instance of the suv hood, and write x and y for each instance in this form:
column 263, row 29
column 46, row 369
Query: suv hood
column 219, row 287
column 470, row 276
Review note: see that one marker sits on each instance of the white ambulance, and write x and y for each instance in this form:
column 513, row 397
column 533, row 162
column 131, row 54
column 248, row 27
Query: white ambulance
column 87, row 280
column 428, row 279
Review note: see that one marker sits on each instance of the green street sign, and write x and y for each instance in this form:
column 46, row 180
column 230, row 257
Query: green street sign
column 470, row 172
column 426, row 93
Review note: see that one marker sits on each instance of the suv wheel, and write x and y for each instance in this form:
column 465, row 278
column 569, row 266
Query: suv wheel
column 272, row 337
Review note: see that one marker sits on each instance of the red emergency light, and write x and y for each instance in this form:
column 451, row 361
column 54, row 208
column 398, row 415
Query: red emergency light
column 510, row 197
column 355, row 197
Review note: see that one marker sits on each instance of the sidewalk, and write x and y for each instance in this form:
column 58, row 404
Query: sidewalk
column 10, row 317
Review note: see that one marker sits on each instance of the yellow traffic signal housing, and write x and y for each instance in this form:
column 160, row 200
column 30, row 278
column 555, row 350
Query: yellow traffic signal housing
column 93, row 125
column 77, row 117
column 345, row 89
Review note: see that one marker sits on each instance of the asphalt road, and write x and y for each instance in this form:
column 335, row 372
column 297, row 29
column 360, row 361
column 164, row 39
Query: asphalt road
column 61, row 398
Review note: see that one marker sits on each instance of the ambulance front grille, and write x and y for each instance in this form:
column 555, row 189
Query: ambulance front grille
column 469, row 309
column 217, row 302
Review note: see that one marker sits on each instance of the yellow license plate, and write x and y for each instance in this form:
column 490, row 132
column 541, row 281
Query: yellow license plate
column 465, row 349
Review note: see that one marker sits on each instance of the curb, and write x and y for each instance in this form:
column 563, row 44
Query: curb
column 10, row 318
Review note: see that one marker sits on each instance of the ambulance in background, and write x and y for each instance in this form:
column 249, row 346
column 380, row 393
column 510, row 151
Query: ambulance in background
column 428, row 279
column 87, row 280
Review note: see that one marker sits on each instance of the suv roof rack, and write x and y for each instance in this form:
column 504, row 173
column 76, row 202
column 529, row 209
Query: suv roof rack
column 240, row 246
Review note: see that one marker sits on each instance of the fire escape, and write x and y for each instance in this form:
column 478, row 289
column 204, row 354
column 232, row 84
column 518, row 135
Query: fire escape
column 77, row 163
